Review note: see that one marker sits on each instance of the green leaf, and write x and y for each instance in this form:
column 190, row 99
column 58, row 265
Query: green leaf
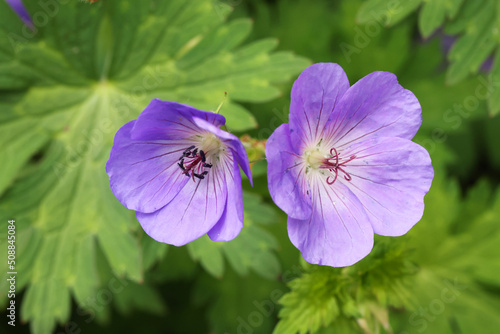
column 472, row 49
column 454, row 266
column 433, row 14
column 465, row 14
column 67, row 87
column 494, row 97
column 349, row 300
column 209, row 255
column 252, row 249
column 152, row 251
column 311, row 304
column 387, row 13
column 475, row 24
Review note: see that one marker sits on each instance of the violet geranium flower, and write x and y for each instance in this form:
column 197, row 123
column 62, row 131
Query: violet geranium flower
column 21, row 11
column 179, row 171
column 345, row 167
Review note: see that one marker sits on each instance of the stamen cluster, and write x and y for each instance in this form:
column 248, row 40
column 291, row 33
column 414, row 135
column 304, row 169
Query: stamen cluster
column 193, row 163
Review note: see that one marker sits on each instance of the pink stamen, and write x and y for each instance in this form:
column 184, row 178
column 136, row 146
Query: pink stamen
column 335, row 164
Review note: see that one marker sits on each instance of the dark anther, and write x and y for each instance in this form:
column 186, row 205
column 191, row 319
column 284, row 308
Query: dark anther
column 192, row 162
column 189, row 149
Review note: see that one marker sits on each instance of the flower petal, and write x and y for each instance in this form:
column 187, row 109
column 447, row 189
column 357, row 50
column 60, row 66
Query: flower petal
column 163, row 120
column 337, row 233
column 21, row 11
column 286, row 175
column 233, row 142
column 314, row 96
column 375, row 106
column 144, row 175
column 231, row 222
column 390, row 176
column 191, row 214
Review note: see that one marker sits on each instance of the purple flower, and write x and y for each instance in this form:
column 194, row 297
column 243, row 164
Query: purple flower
column 179, row 172
column 345, row 167
column 18, row 7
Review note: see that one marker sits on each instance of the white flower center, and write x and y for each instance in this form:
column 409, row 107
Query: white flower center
column 211, row 145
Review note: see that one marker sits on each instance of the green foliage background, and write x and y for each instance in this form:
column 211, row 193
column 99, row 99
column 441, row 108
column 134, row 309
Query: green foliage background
column 84, row 264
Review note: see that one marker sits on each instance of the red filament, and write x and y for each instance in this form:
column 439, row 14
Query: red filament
column 336, row 164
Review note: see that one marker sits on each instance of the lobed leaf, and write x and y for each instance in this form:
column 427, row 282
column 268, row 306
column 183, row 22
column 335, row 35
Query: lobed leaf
column 66, row 87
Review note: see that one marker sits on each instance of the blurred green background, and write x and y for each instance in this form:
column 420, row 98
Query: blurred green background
column 84, row 264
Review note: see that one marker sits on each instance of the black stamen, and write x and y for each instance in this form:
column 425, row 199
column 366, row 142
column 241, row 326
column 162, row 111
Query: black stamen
column 200, row 176
column 193, row 154
column 181, row 165
column 204, row 173
column 189, row 149
column 202, row 155
column 207, row 165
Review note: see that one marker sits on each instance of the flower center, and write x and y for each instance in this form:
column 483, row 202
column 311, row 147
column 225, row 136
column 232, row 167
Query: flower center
column 210, row 143
column 334, row 163
column 193, row 162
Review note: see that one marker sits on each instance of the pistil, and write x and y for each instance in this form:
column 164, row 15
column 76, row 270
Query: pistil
column 335, row 164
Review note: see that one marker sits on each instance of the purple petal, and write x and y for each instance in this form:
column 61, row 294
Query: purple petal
column 162, row 120
column 191, row 214
column 390, row 176
column 21, row 11
column 376, row 106
column 233, row 142
column 144, row 175
column 338, row 232
column 314, row 96
column 231, row 222
column 286, row 175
